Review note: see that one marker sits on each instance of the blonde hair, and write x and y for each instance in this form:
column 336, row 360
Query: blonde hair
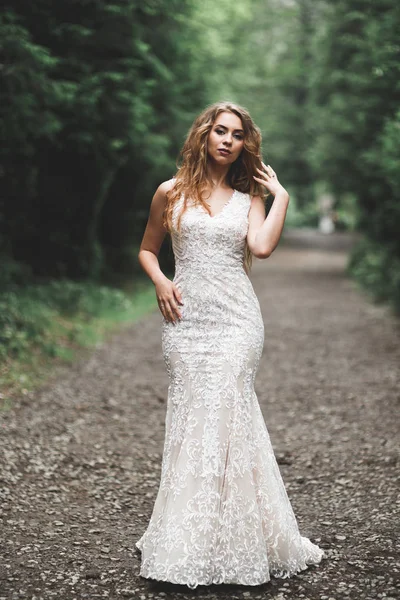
column 191, row 179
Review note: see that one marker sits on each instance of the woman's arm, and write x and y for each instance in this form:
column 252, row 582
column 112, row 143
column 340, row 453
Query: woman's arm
column 264, row 233
column 166, row 291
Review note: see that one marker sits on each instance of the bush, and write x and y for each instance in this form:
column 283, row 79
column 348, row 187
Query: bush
column 28, row 315
column 377, row 268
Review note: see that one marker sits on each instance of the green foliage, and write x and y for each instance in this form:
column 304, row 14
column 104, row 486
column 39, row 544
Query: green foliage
column 43, row 325
column 377, row 268
column 97, row 97
column 32, row 316
column 23, row 322
column 356, row 91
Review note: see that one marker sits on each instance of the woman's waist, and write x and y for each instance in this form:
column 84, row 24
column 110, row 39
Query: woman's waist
column 210, row 271
column 229, row 285
column 221, row 279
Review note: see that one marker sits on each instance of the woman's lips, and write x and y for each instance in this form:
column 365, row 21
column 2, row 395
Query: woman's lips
column 223, row 152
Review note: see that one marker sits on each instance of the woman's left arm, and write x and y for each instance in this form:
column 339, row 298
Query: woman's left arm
column 264, row 233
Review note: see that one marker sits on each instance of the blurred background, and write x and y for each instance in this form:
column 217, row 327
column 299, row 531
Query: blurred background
column 96, row 99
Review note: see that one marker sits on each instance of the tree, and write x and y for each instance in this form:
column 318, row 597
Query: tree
column 96, row 98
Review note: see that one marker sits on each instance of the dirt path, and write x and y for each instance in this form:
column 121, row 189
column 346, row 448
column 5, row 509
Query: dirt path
column 81, row 460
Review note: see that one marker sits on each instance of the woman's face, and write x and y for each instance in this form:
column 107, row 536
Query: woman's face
column 226, row 139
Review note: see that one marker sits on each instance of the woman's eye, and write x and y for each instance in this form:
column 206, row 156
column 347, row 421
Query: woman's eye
column 237, row 136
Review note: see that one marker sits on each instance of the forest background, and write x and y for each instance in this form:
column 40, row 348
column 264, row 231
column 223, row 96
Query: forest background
column 96, row 99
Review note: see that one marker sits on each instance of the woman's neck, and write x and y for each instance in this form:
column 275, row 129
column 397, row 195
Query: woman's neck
column 216, row 174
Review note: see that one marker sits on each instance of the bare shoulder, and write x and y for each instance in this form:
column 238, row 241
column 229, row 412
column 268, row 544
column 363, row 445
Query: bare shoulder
column 160, row 196
column 165, row 186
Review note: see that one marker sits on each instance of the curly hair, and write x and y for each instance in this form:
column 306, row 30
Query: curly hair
column 191, row 179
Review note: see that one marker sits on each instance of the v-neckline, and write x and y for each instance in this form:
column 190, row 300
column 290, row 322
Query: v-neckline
column 222, row 209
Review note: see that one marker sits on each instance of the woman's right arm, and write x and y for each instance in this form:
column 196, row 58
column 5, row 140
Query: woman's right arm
column 168, row 295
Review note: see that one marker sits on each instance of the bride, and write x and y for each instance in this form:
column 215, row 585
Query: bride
column 222, row 514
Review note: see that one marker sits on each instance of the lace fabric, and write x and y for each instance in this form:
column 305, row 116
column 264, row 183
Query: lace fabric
column 222, row 514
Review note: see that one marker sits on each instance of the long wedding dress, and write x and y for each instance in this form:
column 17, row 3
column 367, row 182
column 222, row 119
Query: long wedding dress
column 222, row 514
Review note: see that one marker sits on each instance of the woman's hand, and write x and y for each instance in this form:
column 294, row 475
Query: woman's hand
column 168, row 298
column 269, row 180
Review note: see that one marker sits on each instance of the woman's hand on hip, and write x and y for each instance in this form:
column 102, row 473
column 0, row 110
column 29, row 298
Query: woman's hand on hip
column 168, row 298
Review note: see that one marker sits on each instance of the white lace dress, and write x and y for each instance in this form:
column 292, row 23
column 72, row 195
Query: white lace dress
column 222, row 514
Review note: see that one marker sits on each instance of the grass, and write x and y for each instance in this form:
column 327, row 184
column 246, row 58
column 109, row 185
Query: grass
column 48, row 325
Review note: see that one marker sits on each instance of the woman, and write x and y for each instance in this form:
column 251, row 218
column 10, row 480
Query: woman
column 221, row 514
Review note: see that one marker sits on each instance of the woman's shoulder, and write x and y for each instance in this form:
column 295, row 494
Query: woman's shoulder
column 166, row 186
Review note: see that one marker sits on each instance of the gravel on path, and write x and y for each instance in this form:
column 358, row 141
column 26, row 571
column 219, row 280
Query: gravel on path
column 81, row 458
